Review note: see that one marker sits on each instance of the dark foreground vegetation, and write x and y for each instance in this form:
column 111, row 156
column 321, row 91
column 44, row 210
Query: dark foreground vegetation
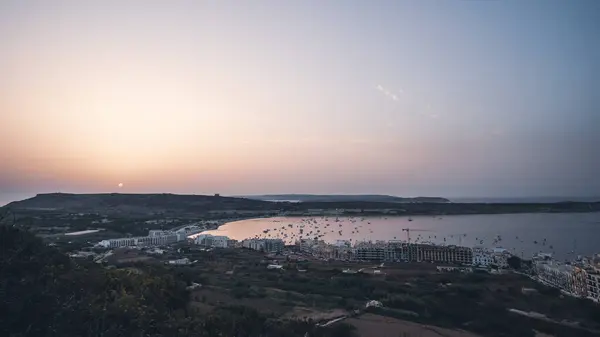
column 43, row 293
column 476, row 302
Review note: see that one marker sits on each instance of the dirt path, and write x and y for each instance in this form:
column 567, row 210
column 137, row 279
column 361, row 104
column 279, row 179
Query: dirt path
column 370, row 325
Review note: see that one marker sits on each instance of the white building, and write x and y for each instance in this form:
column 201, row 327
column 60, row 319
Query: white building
column 482, row 258
column 255, row 244
column 159, row 232
column 342, row 243
column 266, row 245
column 155, row 241
column 139, row 241
column 184, row 261
column 485, row 258
column 309, row 245
column 116, row 243
column 373, row 303
column 217, row 241
column 193, row 286
column 501, row 256
column 568, row 278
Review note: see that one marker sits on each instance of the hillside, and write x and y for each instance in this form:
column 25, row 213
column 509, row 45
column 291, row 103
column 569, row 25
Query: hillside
column 344, row 198
column 44, row 293
column 136, row 203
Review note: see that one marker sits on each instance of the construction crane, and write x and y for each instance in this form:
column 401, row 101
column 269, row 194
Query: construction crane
column 408, row 230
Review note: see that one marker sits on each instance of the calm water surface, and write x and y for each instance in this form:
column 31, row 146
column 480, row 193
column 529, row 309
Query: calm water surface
column 565, row 234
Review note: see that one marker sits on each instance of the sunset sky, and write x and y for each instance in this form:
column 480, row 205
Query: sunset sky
column 439, row 98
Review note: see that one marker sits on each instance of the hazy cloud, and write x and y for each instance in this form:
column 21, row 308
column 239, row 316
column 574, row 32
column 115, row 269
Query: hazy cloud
column 387, row 93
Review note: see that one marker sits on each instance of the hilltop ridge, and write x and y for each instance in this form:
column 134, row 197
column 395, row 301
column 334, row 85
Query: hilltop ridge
column 344, row 198
column 135, row 203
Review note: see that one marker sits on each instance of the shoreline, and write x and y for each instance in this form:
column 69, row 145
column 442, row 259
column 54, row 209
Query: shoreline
column 221, row 222
column 515, row 248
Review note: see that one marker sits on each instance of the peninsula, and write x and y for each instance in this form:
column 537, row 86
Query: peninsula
column 141, row 205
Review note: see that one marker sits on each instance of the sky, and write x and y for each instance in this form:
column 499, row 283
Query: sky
column 454, row 98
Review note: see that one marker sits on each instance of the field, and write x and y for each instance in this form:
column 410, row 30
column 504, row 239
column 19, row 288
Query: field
column 370, row 325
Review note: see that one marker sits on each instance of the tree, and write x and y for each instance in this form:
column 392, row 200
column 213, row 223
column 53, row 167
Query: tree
column 514, row 262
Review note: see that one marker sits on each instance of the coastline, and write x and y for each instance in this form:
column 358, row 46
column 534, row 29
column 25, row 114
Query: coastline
column 221, row 222
column 518, row 233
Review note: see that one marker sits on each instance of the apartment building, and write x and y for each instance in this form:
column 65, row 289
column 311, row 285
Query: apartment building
column 139, row 241
column 592, row 268
column 593, row 284
column 154, row 238
column 308, row 245
column 434, row 253
column 571, row 279
column 254, row 244
column 392, row 251
column 266, row 245
column 232, row 243
column 369, row 251
column 369, row 254
column 158, row 232
column 483, row 257
column 218, row 241
column 116, row 243
column 273, row 245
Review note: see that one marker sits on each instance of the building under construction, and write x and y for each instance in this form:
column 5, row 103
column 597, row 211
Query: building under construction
column 413, row 253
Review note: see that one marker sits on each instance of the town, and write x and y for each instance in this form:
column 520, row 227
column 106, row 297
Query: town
column 578, row 278
column 319, row 268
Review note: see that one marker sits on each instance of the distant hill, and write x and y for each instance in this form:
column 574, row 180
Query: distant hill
column 523, row 200
column 343, row 198
column 139, row 204
column 194, row 206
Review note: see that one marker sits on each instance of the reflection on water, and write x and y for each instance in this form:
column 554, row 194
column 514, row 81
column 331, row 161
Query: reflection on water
column 565, row 235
